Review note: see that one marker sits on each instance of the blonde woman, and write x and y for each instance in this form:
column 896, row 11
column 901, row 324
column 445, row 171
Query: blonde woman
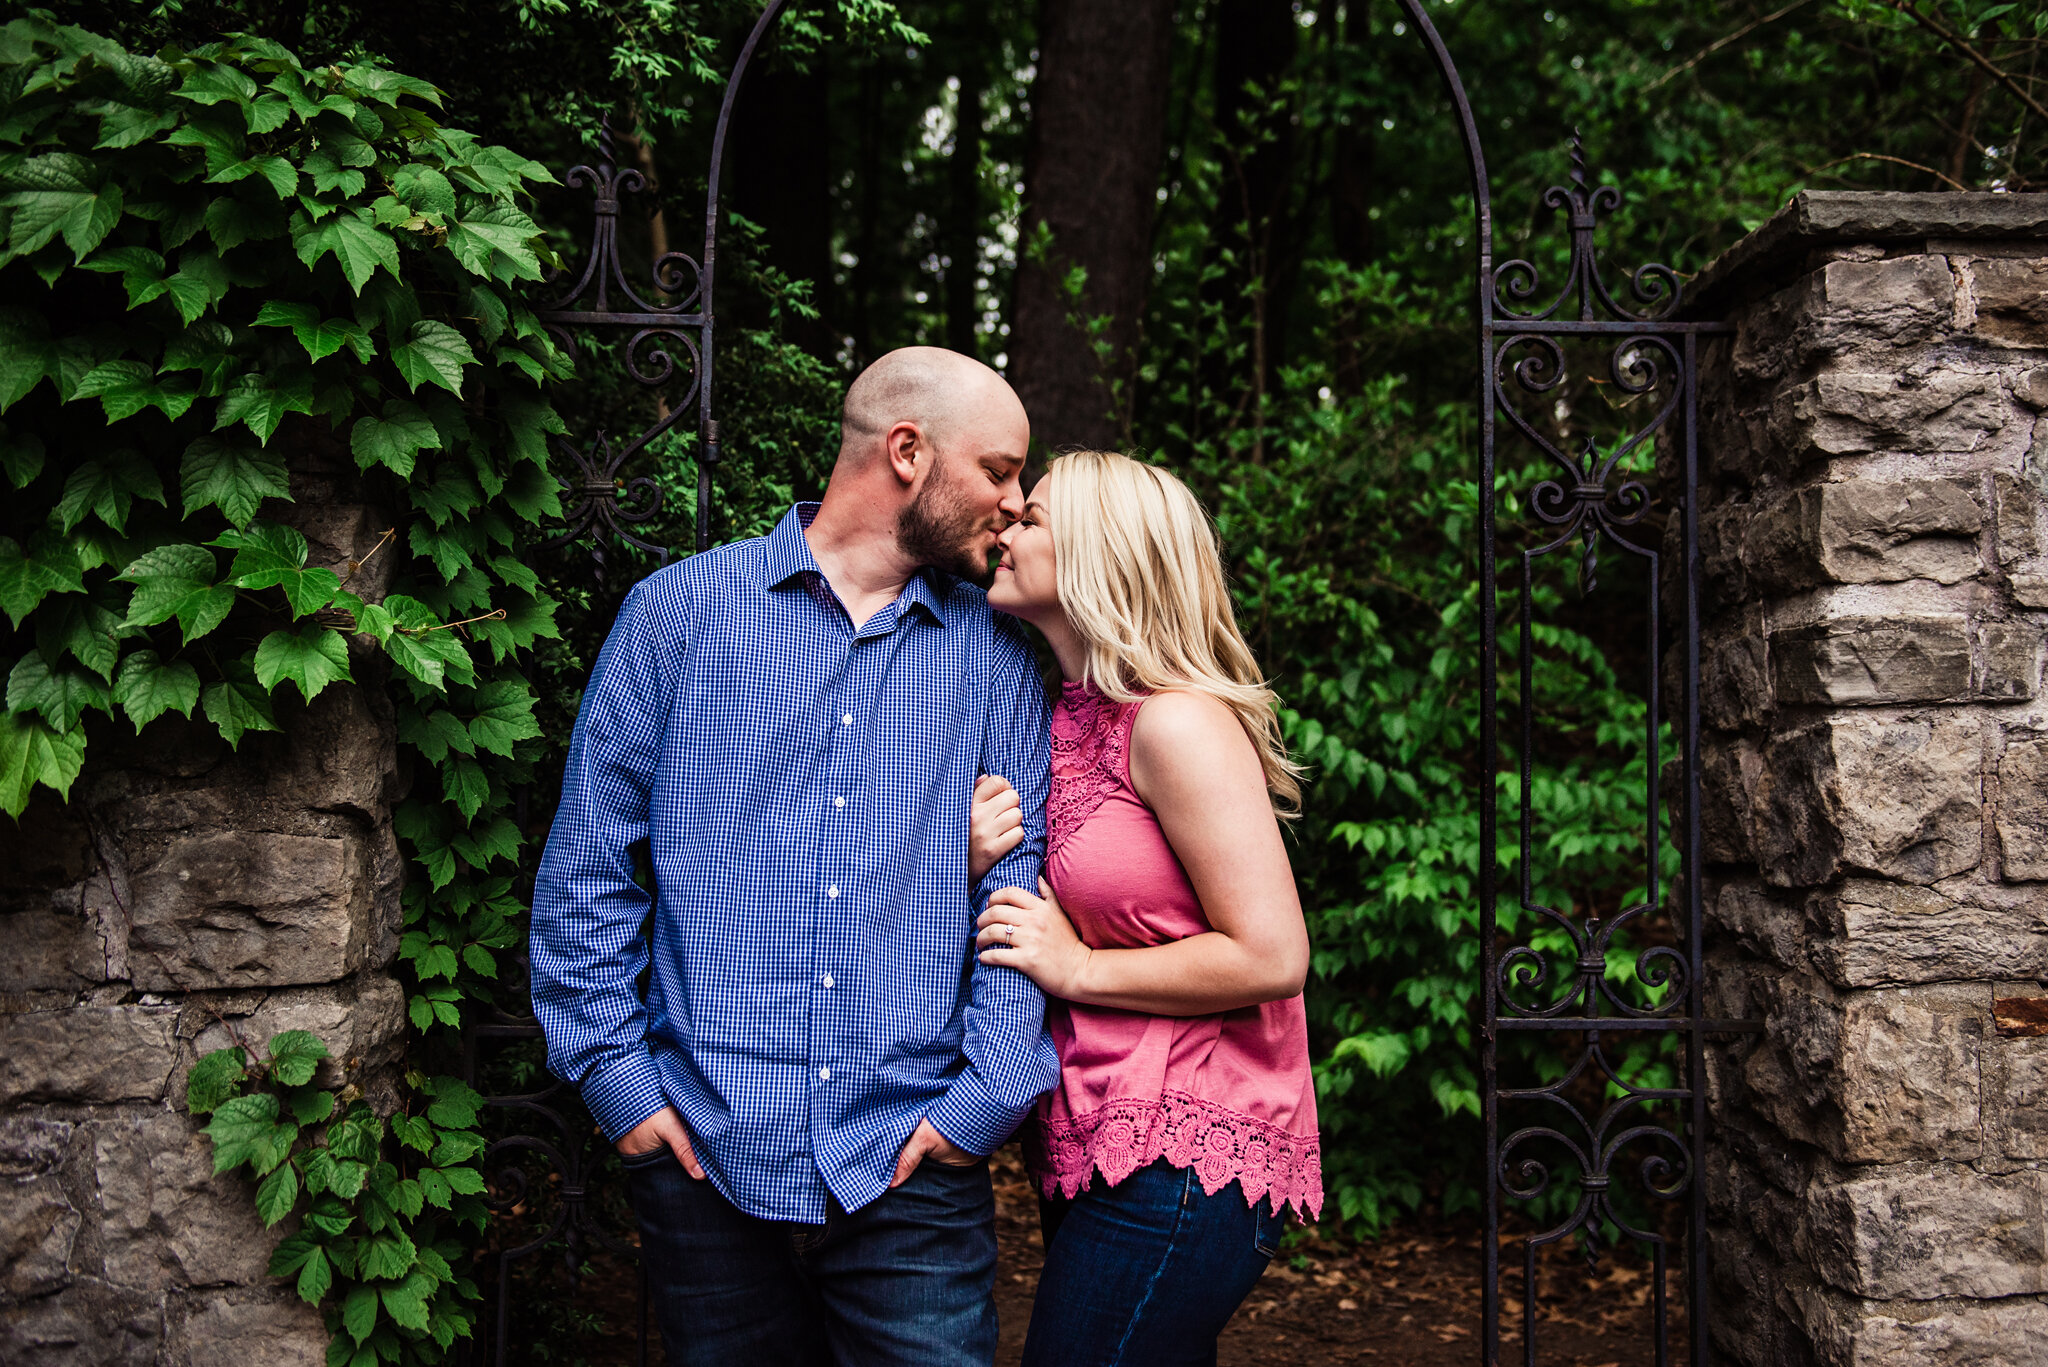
column 1169, row 936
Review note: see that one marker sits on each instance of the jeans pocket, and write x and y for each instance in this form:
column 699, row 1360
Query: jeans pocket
column 633, row 1162
column 1267, row 1229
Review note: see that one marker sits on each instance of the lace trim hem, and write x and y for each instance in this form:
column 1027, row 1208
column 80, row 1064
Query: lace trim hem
column 1221, row 1145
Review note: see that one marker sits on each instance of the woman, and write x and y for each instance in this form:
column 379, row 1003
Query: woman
column 1169, row 937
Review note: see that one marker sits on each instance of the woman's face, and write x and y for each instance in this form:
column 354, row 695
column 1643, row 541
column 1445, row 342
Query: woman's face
column 1026, row 584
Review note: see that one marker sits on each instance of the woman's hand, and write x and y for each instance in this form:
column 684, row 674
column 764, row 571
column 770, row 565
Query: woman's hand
column 995, row 824
column 1033, row 936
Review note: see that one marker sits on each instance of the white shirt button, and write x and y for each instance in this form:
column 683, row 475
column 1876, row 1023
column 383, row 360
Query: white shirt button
column 824, row 1075
column 832, row 891
column 839, row 802
column 846, row 719
column 828, row 980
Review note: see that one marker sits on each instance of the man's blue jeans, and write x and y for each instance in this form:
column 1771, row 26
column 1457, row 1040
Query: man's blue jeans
column 908, row 1278
column 1146, row 1273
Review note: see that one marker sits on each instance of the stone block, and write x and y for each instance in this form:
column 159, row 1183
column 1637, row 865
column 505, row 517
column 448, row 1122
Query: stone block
column 1899, row 797
column 2021, row 811
column 2008, row 661
column 1765, row 922
column 2019, row 505
column 88, row 1054
column 2012, row 301
column 166, row 1219
column 1869, row 932
column 1866, row 660
column 51, row 949
column 1735, row 684
column 1871, row 1077
column 1923, row 1231
column 1846, row 1332
column 2016, row 1096
column 38, row 1222
column 239, row 1328
column 247, row 908
column 1731, row 769
column 1867, row 531
column 2031, row 388
column 1843, row 307
column 1948, row 411
column 91, row 1325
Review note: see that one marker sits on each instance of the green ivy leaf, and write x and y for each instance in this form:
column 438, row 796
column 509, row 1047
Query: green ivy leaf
column 277, row 1194
column 125, row 388
column 311, row 657
column 177, row 581
column 53, row 194
column 231, row 476
column 320, row 339
column 425, row 189
column 246, row 1129
column 232, row 220
column 455, row 1103
column 465, row 784
column 390, row 1254
column 359, row 1312
column 32, row 753
column 271, row 556
column 211, row 83
column 414, row 1132
column 200, row 283
column 26, row 580
column 215, row 1078
column 494, row 238
column 316, row 1277
column 504, row 716
column 479, row 961
column 434, row 1187
column 406, row 1303
column 21, row 457
column 60, row 696
column 107, row 488
column 294, row 1056
column 237, row 706
column 394, row 440
column 433, row 353
column 435, row 733
column 26, row 356
column 83, row 629
column 204, row 347
column 261, row 401
column 355, row 241
column 147, row 687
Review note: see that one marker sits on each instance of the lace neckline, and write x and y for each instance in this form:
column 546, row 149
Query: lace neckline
column 1090, row 737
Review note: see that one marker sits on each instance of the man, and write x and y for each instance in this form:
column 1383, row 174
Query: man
column 791, row 728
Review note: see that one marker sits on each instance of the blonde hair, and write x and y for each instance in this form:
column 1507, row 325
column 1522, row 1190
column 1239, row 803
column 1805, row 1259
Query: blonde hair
column 1140, row 577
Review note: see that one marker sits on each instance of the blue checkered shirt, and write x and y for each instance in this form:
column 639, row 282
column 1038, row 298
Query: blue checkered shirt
column 800, row 790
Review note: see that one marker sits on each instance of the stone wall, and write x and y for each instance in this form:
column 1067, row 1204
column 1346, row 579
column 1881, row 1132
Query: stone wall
column 188, row 897
column 1875, row 775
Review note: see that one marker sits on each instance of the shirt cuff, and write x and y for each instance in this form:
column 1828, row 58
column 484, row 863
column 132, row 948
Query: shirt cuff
column 623, row 1092
column 971, row 1119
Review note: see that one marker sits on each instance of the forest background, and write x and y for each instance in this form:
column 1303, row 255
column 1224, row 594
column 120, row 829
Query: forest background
column 1232, row 236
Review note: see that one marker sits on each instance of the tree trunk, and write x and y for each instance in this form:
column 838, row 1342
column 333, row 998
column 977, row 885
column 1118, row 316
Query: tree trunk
column 1091, row 173
column 963, row 177
column 780, row 178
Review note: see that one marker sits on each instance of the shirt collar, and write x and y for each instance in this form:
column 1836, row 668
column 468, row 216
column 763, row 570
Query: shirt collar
column 789, row 556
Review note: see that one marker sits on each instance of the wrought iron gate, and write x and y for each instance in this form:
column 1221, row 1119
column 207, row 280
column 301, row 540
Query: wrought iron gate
column 1566, row 992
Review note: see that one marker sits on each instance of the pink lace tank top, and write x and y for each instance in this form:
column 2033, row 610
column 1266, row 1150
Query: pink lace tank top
column 1228, row 1095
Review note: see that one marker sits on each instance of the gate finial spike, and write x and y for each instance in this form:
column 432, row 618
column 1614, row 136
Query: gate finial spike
column 605, row 143
column 1578, row 160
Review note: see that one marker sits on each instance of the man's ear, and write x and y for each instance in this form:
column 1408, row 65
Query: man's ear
column 904, row 444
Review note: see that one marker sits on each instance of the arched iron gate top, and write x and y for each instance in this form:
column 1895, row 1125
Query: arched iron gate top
column 1650, row 348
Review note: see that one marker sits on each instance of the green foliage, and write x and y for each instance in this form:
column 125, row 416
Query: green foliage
column 225, row 271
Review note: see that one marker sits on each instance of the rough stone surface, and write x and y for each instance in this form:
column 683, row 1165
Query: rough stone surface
column 247, row 908
column 38, row 1222
column 1851, row 414
column 166, row 1219
column 1874, row 573
column 1872, row 660
column 88, row 1053
column 1895, row 796
column 1864, row 531
column 238, row 1328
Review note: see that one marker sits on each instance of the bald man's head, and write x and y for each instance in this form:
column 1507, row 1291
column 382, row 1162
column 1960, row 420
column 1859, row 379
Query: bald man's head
column 942, row 392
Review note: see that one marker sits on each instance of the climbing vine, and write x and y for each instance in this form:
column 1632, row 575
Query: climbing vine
column 220, row 267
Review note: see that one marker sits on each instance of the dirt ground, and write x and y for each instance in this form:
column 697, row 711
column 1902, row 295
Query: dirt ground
column 1410, row 1298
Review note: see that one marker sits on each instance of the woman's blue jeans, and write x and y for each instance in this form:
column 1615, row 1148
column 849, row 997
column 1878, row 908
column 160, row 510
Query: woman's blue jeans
column 1146, row 1273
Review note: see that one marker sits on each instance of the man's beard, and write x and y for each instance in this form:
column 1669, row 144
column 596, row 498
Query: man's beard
column 939, row 529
